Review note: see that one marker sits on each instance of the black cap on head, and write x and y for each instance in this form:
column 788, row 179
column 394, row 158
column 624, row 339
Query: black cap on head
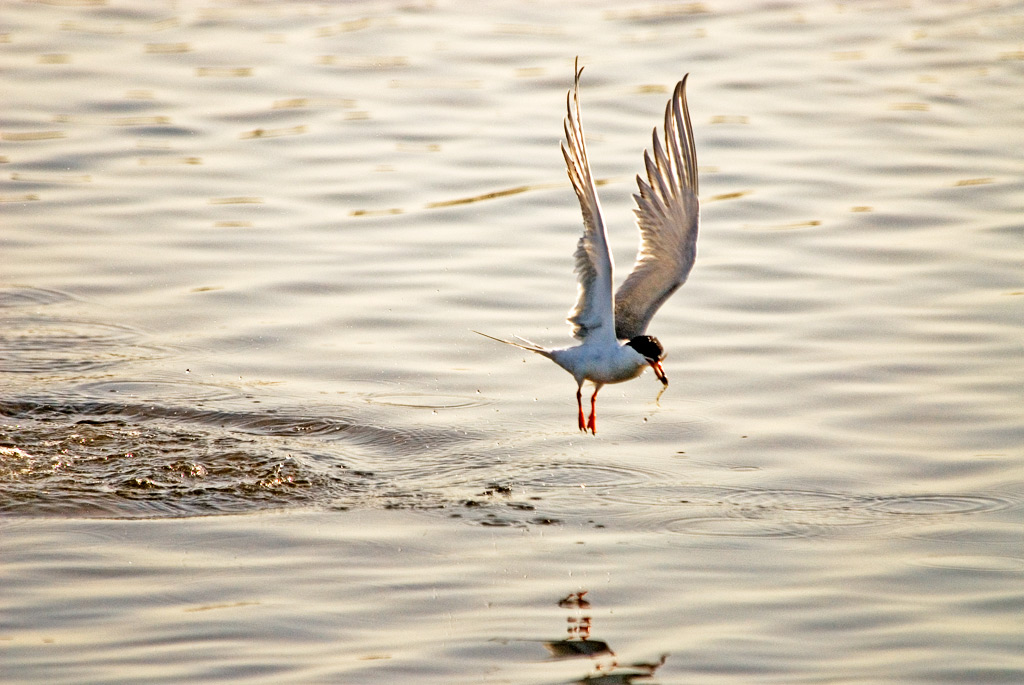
column 648, row 346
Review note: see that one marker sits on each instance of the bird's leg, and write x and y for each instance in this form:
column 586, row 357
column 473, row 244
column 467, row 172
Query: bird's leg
column 592, row 422
column 579, row 403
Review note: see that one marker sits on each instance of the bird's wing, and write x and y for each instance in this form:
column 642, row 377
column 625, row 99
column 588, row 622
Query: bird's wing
column 593, row 310
column 668, row 216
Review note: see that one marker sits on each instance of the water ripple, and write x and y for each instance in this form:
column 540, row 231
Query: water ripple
column 32, row 345
column 163, row 391
column 24, row 296
column 584, row 475
column 937, row 504
column 735, row 512
column 115, row 459
column 426, row 401
column 724, row 526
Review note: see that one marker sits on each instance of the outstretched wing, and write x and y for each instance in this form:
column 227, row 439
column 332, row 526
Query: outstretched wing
column 668, row 216
column 593, row 310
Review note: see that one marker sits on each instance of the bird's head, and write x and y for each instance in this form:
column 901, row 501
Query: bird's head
column 652, row 352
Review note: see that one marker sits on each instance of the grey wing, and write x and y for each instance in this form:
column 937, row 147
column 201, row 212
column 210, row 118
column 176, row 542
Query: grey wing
column 668, row 216
column 593, row 309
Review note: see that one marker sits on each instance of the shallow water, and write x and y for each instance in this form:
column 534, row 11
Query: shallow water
column 243, row 249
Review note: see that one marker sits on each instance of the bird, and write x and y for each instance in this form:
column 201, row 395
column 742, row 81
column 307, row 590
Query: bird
column 612, row 331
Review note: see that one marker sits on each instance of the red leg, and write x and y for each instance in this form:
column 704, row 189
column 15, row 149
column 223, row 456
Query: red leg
column 579, row 403
column 592, row 423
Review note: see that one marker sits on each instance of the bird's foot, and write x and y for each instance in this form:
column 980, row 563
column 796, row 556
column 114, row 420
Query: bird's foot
column 592, row 424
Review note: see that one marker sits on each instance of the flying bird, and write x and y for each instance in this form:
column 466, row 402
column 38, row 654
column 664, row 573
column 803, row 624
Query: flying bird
column 614, row 345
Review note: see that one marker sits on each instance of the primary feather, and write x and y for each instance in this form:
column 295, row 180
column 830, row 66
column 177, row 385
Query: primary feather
column 668, row 216
column 593, row 311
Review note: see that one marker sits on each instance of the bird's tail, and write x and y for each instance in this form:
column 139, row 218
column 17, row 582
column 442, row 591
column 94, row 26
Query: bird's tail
column 523, row 344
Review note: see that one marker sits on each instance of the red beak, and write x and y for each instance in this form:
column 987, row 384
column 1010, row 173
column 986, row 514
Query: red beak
column 659, row 372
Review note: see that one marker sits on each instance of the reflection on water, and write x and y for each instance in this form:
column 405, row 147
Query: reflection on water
column 605, row 667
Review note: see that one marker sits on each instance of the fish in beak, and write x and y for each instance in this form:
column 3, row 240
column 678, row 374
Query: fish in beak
column 659, row 372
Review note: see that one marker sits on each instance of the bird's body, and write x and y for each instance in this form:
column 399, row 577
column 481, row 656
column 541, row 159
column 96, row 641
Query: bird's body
column 612, row 330
column 600, row 364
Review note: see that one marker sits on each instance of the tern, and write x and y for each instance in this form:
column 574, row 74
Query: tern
column 614, row 345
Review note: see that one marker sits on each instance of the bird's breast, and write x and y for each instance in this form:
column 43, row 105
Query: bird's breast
column 601, row 364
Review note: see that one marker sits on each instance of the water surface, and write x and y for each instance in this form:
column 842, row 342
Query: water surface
column 246, row 433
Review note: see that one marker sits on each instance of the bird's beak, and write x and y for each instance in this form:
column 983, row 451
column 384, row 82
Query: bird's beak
column 659, row 372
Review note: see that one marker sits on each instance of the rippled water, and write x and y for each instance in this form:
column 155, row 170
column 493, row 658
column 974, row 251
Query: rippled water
column 243, row 248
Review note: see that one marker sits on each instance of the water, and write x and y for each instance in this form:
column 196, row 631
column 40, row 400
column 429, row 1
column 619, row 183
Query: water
column 246, row 433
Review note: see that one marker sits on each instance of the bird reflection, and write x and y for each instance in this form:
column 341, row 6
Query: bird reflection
column 579, row 644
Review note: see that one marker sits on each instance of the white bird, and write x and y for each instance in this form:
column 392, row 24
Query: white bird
column 614, row 346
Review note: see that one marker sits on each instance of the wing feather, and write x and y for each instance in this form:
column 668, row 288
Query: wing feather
column 593, row 310
column 668, row 216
